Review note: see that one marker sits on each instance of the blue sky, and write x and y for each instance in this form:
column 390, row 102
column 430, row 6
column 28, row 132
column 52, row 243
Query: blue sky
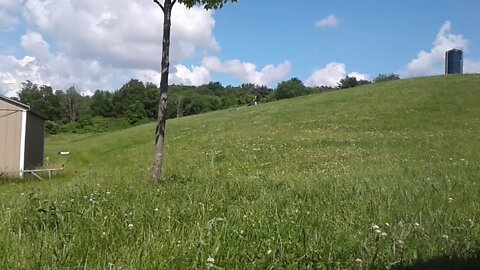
column 102, row 44
column 371, row 37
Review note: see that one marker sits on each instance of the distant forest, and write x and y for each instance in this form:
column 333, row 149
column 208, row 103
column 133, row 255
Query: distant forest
column 67, row 111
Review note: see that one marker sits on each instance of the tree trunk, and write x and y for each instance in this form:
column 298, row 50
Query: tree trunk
column 162, row 104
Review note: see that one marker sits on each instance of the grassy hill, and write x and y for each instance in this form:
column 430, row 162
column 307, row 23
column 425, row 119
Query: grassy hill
column 384, row 175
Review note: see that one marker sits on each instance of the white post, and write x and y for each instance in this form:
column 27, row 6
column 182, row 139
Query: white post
column 23, row 133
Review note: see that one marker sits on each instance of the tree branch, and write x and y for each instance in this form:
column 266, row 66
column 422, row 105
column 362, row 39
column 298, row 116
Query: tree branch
column 173, row 3
column 160, row 5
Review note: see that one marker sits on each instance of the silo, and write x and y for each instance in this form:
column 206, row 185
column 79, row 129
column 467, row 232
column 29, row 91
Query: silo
column 454, row 62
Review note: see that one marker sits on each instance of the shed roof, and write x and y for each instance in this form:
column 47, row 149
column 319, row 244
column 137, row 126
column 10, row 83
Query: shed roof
column 21, row 105
column 15, row 103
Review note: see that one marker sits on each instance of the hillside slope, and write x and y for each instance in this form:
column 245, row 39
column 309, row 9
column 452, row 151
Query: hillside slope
column 440, row 114
column 376, row 176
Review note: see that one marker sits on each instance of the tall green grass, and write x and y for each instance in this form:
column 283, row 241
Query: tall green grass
column 378, row 176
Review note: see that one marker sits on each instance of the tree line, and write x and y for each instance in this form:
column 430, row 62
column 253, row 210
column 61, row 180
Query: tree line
column 68, row 111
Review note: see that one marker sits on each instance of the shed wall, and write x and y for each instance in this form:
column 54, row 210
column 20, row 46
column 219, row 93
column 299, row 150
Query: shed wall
column 34, row 142
column 10, row 136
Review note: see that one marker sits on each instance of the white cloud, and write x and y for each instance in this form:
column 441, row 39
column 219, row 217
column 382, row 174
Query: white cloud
column 329, row 21
column 359, row 76
column 7, row 20
column 35, row 46
column 8, row 14
column 331, row 75
column 121, row 33
column 470, row 66
column 99, row 45
column 196, row 75
column 433, row 61
column 199, row 75
column 247, row 72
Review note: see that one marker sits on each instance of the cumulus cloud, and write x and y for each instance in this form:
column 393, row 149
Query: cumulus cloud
column 359, row 76
column 180, row 74
column 7, row 20
column 43, row 67
column 331, row 75
column 433, row 62
column 329, row 21
column 470, row 66
column 196, row 75
column 8, row 14
column 247, row 72
column 244, row 71
column 35, row 46
column 121, row 33
column 99, row 45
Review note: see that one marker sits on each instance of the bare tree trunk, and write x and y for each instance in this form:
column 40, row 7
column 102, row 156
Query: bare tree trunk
column 162, row 104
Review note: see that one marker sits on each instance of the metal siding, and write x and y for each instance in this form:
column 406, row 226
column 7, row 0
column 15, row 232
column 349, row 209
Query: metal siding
column 454, row 62
column 34, row 142
column 10, row 136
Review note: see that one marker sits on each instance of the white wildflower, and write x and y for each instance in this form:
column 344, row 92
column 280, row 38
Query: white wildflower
column 384, row 234
column 450, row 200
column 416, row 224
column 210, row 262
column 358, row 260
column 108, row 193
column 130, row 226
column 375, row 227
column 156, row 209
column 269, row 252
column 445, row 237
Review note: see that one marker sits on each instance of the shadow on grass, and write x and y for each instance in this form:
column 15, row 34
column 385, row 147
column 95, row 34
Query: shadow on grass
column 445, row 262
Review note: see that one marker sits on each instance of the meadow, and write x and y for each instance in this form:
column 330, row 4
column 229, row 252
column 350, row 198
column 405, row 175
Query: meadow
column 380, row 176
